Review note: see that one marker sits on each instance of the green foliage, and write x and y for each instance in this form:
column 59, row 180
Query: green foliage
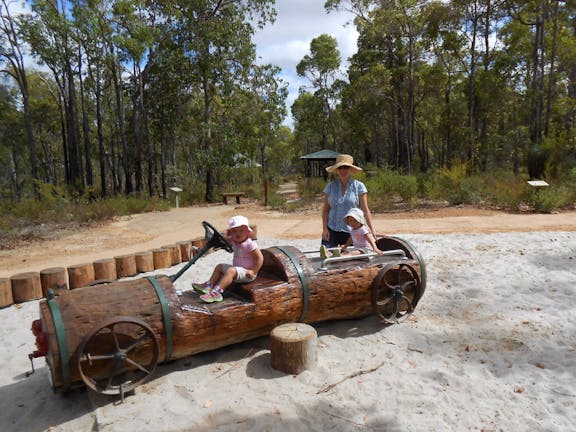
column 388, row 187
column 311, row 187
column 454, row 186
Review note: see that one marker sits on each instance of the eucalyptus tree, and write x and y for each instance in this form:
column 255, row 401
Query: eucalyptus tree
column 306, row 110
column 11, row 133
column 93, row 29
column 321, row 67
column 215, row 38
column 12, row 63
column 534, row 33
column 50, row 34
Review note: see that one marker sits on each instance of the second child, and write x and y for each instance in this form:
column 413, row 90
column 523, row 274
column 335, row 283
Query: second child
column 360, row 236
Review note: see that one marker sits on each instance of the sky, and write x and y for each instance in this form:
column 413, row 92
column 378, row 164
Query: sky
column 287, row 41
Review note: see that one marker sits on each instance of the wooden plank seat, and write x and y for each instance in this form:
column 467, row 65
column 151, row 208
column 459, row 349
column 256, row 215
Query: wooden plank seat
column 237, row 195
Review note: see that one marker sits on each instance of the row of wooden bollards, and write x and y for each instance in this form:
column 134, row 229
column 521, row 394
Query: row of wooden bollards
column 35, row 285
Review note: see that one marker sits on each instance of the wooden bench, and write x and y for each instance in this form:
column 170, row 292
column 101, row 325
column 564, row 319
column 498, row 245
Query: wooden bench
column 225, row 196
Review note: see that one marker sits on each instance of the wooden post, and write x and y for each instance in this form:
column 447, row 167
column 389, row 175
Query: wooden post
column 174, row 253
column 6, row 298
column 199, row 242
column 125, row 265
column 26, row 286
column 185, row 250
column 105, row 269
column 294, row 348
column 145, row 262
column 80, row 275
column 162, row 258
column 54, row 278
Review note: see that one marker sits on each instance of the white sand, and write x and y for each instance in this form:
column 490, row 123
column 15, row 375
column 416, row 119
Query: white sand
column 491, row 347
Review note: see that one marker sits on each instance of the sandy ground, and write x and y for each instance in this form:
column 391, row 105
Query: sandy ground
column 491, row 346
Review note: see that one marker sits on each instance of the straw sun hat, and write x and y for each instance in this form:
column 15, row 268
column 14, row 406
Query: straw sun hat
column 343, row 160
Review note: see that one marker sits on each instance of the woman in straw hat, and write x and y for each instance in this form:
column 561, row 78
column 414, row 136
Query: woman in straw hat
column 340, row 196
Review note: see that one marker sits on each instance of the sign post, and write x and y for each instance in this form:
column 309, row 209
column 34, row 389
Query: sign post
column 176, row 190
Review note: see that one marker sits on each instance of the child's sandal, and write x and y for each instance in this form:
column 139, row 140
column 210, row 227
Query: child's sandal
column 214, row 295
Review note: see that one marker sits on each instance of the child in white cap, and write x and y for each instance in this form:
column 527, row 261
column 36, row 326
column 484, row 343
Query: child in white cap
column 246, row 263
column 360, row 236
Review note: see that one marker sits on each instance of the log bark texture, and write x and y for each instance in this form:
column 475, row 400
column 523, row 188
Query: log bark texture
column 294, row 348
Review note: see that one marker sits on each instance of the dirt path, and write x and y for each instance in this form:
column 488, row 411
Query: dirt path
column 152, row 230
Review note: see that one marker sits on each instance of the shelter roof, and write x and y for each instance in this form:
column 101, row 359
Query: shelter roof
column 321, row 155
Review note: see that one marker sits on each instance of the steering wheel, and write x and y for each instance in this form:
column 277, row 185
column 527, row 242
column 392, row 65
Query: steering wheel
column 214, row 238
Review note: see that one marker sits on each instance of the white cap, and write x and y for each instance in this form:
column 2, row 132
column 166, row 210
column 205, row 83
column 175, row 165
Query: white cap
column 357, row 214
column 237, row 221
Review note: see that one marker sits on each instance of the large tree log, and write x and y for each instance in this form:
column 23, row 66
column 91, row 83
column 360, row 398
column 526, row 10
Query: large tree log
column 290, row 288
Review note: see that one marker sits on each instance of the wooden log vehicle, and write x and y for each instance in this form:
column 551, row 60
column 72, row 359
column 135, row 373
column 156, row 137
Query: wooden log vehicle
column 112, row 336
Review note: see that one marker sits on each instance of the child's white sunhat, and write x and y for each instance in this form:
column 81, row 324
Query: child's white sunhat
column 357, row 214
column 237, row 221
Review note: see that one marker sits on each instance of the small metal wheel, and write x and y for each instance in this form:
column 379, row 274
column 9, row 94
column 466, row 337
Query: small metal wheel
column 118, row 356
column 395, row 292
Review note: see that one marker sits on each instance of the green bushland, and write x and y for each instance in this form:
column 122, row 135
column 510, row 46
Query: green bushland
column 56, row 207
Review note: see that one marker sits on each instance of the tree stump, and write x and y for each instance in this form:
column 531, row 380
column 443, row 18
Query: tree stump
column 162, row 258
column 125, row 265
column 54, row 278
column 6, row 298
column 81, row 275
column 144, row 261
column 294, row 348
column 185, row 250
column 26, row 286
column 105, row 269
column 174, row 253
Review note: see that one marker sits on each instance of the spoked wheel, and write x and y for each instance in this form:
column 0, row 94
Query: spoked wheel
column 395, row 292
column 118, row 356
column 214, row 238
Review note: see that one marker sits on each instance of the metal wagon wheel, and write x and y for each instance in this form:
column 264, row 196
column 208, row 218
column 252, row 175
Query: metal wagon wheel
column 395, row 292
column 118, row 356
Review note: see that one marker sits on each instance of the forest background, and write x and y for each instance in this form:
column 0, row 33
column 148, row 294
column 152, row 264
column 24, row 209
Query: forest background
column 449, row 101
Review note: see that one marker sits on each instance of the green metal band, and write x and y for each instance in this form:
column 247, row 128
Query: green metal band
column 303, row 282
column 60, row 338
column 165, row 316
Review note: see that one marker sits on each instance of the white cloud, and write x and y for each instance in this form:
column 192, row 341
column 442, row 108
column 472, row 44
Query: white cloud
column 287, row 41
